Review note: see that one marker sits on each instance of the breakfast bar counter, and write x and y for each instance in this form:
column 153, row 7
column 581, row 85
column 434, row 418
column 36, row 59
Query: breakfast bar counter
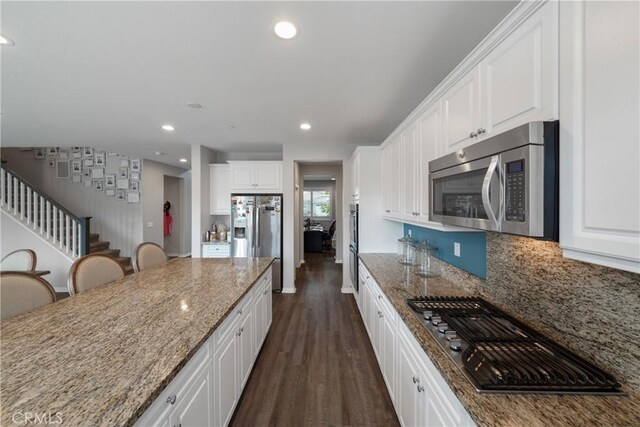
column 102, row 357
column 486, row 409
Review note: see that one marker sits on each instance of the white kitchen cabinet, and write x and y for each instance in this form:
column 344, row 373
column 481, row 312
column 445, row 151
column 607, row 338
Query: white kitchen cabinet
column 429, row 142
column 206, row 391
column 461, row 112
column 599, row 135
column 520, row 76
column 220, row 185
column 215, row 251
column 256, row 177
column 226, row 371
column 418, row 391
column 355, row 177
column 409, row 172
column 194, row 408
column 392, row 176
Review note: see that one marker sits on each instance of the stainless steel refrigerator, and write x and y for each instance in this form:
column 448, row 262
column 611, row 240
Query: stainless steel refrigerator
column 256, row 229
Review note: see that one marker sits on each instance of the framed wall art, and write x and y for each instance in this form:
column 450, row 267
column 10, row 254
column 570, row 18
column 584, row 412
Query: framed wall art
column 123, row 173
column 99, row 159
column 136, row 165
column 98, row 184
column 76, row 166
column 40, row 153
column 87, row 152
column 120, row 194
column 110, row 181
column 52, row 151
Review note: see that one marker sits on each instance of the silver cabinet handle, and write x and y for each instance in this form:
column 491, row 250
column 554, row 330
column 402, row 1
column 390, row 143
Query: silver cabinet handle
column 379, row 296
column 420, row 389
column 473, row 135
column 265, row 292
column 416, row 380
column 368, row 277
column 239, row 311
column 481, row 131
column 171, row 399
column 387, row 211
column 239, row 333
column 242, row 330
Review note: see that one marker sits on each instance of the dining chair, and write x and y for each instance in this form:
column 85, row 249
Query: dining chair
column 20, row 260
column 148, row 255
column 93, row 270
column 21, row 292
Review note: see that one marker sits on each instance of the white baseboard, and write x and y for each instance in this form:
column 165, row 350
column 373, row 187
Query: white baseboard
column 288, row 290
column 348, row 290
column 338, row 261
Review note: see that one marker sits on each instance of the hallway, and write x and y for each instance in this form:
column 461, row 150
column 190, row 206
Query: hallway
column 317, row 365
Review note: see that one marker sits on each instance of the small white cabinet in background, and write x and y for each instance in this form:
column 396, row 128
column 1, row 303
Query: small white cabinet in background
column 220, row 185
column 215, row 251
column 256, row 177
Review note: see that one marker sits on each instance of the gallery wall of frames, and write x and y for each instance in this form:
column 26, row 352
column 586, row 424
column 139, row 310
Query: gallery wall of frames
column 116, row 175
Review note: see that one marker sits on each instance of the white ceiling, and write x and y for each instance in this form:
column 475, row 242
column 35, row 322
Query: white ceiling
column 109, row 74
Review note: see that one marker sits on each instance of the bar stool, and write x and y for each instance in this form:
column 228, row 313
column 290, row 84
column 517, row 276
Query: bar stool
column 22, row 292
column 93, row 270
column 148, row 255
column 20, row 260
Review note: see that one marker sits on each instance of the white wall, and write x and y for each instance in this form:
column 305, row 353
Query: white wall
column 116, row 221
column 224, row 157
column 153, row 199
column 305, row 153
column 15, row 235
column 201, row 157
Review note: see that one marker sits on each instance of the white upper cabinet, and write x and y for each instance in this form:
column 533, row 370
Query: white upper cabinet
column 599, row 135
column 355, row 177
column 256, row 177
column 409, row 171
column 429, row 142
column 220, row 185
column 461, row 118
column 519, row 77
column 385, row 167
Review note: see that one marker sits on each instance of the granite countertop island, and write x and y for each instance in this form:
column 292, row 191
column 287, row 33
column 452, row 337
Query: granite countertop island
column 102, row 357
column 399, row 283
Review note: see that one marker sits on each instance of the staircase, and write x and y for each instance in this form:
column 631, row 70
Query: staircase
column 68, row 233
column 97, row 246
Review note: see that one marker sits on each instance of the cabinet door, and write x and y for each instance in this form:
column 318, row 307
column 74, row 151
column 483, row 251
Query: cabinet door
column 389, row 346
column 242, row 177
column 599, row 137
column 226, row 374
column 269, row 304
column 409, row 405
column 366, row 303
column 520, row 78
column 376, row 327
column 386, row 172
column 195, row 407
column 220, row 177
column 429, row 144
column 461, row 107
column 355, row 177
column 259, row 319
column 409, row 183
column 396, row 177
column 246, row 350
column 268, row 177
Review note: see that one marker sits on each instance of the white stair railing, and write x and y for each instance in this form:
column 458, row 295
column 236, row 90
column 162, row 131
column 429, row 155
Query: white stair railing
column 45, row 216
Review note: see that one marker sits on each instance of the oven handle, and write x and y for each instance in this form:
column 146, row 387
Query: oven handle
column 486, row 184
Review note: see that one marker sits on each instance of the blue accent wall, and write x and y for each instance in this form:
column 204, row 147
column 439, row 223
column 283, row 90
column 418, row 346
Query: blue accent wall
column 473, row 247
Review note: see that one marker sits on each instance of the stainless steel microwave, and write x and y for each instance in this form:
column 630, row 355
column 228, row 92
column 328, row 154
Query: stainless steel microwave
column 507, row 183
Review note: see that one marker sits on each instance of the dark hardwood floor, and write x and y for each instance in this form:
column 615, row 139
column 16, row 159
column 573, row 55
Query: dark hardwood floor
column 317, row 365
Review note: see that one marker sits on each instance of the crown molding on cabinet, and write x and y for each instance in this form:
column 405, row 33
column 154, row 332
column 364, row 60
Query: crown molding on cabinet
column 520, row 13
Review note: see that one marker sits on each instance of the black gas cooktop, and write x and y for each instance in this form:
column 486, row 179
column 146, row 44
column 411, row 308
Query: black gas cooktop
column 498, row 354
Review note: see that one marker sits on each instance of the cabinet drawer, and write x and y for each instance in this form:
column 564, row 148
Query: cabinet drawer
column 215, row 251
column 236, row 312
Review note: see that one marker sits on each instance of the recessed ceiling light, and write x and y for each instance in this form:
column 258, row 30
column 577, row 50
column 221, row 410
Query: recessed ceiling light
column 194, row 105
column 285, row 30
column 160, row 153
column 305, row 126
column 168, row 128
column 183, row 160
column 6, row 41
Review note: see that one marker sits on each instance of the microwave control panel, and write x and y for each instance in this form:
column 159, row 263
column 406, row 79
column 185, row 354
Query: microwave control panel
column 515, row 192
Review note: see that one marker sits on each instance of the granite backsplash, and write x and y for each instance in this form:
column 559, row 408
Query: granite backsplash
column 587, row 308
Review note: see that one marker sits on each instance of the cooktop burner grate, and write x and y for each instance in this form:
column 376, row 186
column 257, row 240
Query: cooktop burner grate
column 499, row 354
column 532, row 366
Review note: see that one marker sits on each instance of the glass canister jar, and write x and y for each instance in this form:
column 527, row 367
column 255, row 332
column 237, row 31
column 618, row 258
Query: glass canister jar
column 425, row 253
column 405, row 250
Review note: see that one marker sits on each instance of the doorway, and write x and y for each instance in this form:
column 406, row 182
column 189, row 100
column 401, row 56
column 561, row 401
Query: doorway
column 173, row 218
column 320, row 208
